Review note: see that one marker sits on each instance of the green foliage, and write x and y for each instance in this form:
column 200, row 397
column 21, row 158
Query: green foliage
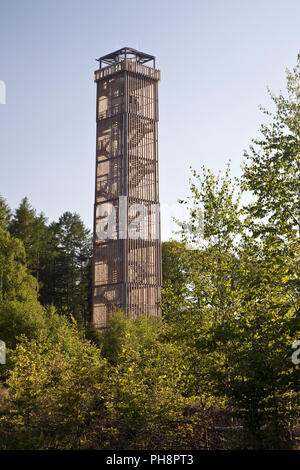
column 58, row 255
column 5, row 214
column 174, row 275
column 214, row 372
column 20, row 311
column 55, row 385
column 114, row 336
column 147, row 386
column 31, row 228
column 240, row 310
column 71, row 276
column 16, row 318
column 272, row 167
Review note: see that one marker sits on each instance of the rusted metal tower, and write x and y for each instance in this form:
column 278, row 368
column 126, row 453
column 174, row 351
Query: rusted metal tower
column 127, row 247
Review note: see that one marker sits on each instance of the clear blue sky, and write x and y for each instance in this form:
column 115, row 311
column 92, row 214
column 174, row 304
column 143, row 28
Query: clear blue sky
column 216, row 56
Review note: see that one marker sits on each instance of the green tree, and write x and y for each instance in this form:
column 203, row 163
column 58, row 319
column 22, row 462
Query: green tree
column 147, row 384
column 174, row 275
column 241, row 317
column 272, row 174
column 251, row 352
column 33, row 231
column 57, row 384
column 272, row 167
column 20, row 311
column 72, row 267
column 209, row 255
column 5, row 214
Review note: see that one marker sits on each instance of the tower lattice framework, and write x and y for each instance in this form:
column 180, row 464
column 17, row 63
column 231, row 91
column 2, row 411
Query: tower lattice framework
column 126, row 268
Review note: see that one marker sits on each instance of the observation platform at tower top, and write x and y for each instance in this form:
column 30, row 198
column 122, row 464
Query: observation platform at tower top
column 129, row 60
column 126, row 53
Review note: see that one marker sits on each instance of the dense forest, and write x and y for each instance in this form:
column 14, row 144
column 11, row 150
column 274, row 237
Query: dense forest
column 216, row 370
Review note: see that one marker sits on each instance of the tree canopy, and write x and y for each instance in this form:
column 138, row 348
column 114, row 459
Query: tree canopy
column 215, row 371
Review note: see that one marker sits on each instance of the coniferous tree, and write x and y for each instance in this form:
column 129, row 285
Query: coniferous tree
column 72, row 266
column 33, row 231
column 5, row 214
